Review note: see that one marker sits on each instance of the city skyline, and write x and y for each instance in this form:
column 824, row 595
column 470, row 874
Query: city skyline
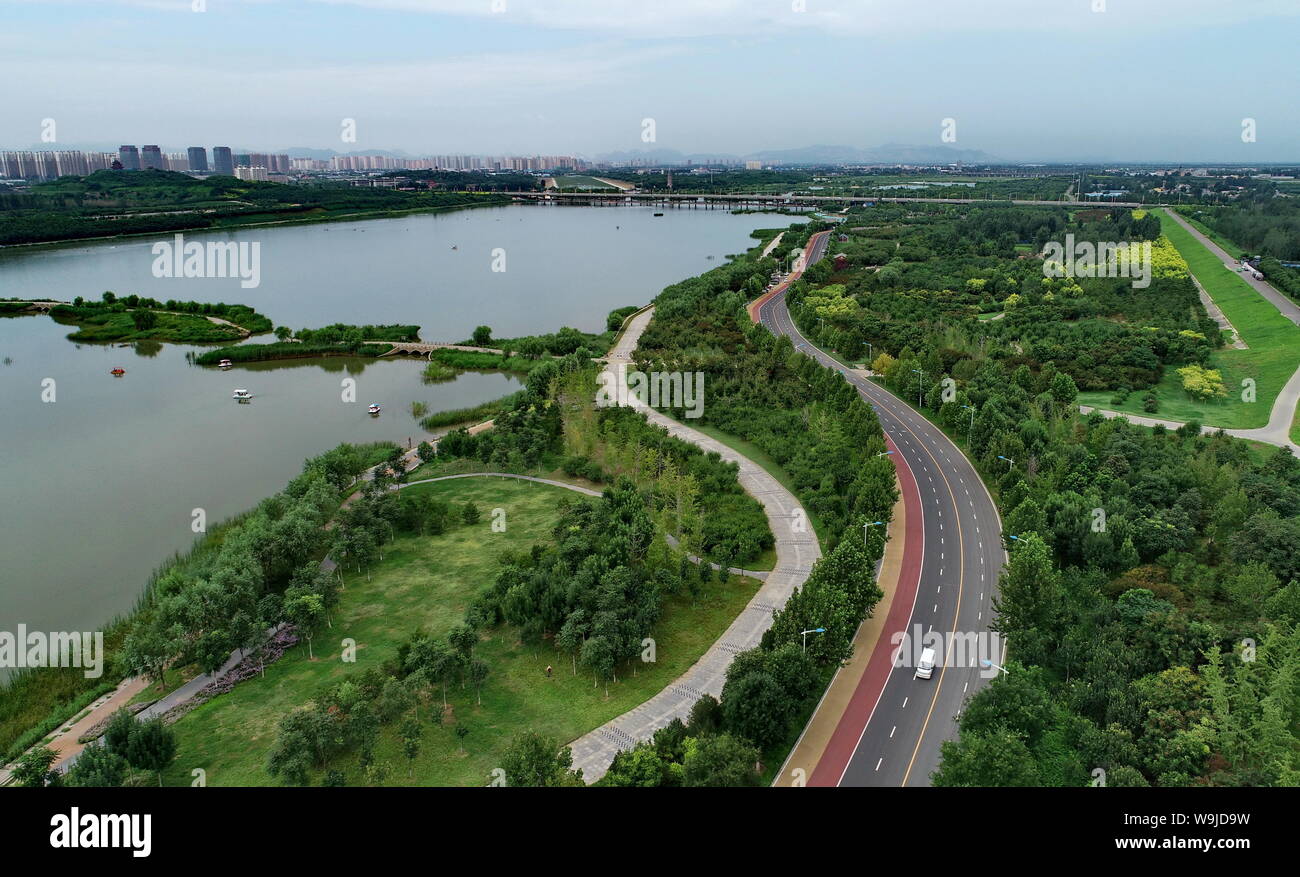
column 1032, row 81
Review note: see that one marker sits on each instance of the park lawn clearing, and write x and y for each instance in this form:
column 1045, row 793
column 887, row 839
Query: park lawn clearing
column 426, row 583
column 1272, row 357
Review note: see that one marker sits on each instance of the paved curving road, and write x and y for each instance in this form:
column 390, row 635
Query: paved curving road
column 892, row 732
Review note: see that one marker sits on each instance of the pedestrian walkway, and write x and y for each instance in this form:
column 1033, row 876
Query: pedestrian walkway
column 796, row 552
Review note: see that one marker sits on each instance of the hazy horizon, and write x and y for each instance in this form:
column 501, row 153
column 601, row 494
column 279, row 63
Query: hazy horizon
column 1022, row 80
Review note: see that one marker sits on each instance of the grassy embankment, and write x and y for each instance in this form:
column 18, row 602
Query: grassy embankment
column 35, row 704
column 95, row 325
column 142, row 319
column 1272, row 357
column 426, row 583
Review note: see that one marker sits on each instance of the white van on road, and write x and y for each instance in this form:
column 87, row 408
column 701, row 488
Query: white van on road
column 925, row 666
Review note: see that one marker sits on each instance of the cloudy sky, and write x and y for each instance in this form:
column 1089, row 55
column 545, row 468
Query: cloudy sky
column 1024, row 79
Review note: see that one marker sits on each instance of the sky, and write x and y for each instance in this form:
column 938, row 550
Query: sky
column 1021, row 80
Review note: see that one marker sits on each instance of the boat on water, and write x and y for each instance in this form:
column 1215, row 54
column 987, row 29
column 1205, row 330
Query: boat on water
column 118, row 372
column 242, row 394
column 225, row 363
column 658, row 214
column 373, row 410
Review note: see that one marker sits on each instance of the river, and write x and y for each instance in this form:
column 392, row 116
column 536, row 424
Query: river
column 100, row 480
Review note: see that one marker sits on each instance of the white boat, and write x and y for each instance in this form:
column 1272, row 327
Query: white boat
column 225, row 363
column 242, row 394
column 373, row 409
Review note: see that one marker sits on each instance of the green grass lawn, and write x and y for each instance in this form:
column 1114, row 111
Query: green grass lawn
column 1273, row 356
column 425, row 583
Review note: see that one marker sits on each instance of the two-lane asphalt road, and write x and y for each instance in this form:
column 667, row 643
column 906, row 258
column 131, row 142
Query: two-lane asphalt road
column 892, row 731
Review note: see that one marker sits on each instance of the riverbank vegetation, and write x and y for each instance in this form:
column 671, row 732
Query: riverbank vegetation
column 137, row 318
column 337, row 339
column 567, row 340
column 198, row 603
column 472, row 415
column 288, row 350
column 111, row 203
column 468, row 360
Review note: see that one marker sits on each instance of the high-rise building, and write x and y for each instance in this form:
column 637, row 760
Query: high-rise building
column 256, row 174
column 198, row 158
column 69, row 163
column 151, row 158
column 222, row 161
column 130, row 158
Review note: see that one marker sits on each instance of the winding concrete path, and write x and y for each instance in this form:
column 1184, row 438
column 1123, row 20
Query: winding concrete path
column 795, row 552
column 1276, row 433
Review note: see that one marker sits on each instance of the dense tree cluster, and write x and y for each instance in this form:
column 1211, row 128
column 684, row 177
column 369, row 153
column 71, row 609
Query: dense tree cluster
column 917, row 281
column 261, row 570
column 1152, row 595
column 757, row 387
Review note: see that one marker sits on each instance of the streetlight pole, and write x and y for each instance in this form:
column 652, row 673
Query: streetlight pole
column 868, row 526
column 1010, row 462
column 987, row 663
column 971, row 429
column 805, row 633
column 920, row 376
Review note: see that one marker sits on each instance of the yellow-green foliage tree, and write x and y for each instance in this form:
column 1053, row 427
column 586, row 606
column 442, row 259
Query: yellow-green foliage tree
column 1202, row 383
column 831, row 303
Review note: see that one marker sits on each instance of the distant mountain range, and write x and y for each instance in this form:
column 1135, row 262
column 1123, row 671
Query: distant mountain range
column 890, row 153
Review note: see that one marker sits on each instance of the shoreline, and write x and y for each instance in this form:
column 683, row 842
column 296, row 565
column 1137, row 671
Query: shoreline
column 312, row 220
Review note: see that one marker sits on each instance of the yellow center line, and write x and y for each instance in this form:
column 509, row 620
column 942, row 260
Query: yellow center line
column 961, row 544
